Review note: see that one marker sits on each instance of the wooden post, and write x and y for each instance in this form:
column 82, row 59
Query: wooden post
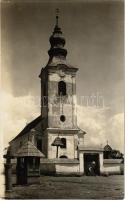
column 8, row 171
column 57, row 152
column 8, row 177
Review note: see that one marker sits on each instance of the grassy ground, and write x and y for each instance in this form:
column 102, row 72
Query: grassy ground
column 71, row 188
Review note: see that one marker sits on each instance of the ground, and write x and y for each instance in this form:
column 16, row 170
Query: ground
column 85, row 187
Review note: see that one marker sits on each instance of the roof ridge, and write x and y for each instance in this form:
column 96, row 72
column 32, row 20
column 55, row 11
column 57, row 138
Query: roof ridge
column 28, row 127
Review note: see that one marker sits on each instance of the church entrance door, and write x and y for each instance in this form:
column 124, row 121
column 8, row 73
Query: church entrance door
column 91, row 164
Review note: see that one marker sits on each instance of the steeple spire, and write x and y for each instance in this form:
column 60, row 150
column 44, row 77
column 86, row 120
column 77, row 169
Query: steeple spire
column 57, row 42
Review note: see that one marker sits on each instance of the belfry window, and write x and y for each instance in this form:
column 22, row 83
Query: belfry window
column 61, row 88
column 63, row 140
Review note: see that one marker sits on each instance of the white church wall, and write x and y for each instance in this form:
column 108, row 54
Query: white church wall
column 81, row 159
column 112, row 166
column 101, row 161
column 67, row 168
column 111, row 170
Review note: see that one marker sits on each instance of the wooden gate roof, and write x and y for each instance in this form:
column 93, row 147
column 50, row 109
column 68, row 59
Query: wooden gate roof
column 28, row 150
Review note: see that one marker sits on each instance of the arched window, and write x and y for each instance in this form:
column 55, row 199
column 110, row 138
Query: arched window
column 64, row 143
column 63, row 156
column 61, row 88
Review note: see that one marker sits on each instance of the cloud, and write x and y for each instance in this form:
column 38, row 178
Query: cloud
column 100, row 127
column 115, row 129
column 17, row 111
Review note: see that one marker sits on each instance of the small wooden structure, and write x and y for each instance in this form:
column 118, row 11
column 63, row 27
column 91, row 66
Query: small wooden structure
column 28, row 164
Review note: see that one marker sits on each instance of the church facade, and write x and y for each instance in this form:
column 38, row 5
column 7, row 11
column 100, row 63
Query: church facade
column 55, row 132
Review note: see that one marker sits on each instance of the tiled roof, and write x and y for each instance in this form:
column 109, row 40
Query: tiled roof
column 28, row 149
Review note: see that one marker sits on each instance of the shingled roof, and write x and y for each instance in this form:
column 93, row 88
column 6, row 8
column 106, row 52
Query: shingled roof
column 27, row 150
column 28, row 127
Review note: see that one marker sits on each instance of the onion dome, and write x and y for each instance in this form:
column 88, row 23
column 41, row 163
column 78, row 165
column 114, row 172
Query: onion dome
column 107, row 147
column 57, row 38
column 57, row 42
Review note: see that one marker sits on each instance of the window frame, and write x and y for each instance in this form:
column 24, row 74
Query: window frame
column 62, row 88
column 63, row 140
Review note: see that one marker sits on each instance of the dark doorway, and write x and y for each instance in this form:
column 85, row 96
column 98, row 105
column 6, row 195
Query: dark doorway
column 91, row 164
column 21, row 171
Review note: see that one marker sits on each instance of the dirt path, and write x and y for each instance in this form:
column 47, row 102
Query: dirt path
column 71, row 188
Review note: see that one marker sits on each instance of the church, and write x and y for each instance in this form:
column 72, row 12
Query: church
column 54, row 135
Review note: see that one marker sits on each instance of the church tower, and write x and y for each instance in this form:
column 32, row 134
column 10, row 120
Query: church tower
column 54, row 134
column 58, row 100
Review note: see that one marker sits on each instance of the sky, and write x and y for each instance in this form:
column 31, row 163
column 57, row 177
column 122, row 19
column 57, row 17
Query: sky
column 94, row 40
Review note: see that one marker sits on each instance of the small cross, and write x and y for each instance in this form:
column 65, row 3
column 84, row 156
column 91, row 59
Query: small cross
column 57, row 16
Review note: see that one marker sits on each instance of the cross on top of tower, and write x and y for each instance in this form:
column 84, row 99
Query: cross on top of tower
column 57, row 41
column 57, row 16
